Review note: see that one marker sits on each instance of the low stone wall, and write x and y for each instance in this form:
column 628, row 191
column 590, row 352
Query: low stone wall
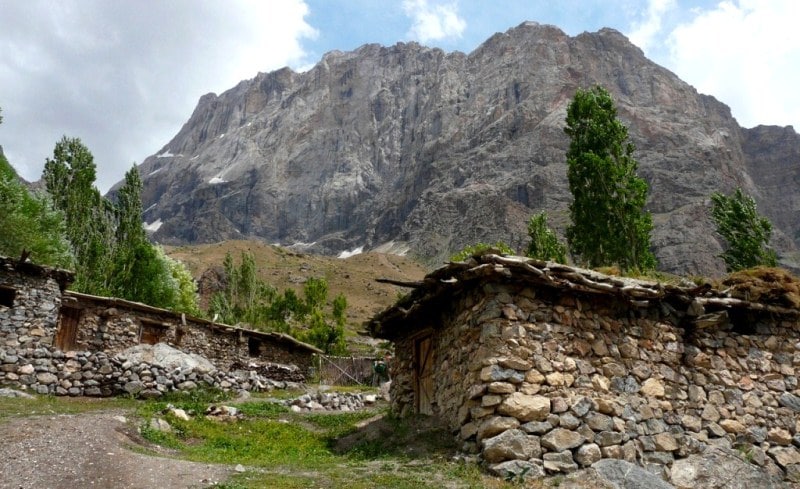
column 47, row 371
column 561, row 381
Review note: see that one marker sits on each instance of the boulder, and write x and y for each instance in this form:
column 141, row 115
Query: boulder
column 718, row 468
column 620, row 474
column 511, row 445
column 525, row 407
column 561, row 439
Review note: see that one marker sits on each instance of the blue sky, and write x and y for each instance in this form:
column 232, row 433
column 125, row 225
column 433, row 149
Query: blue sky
column 124, row 75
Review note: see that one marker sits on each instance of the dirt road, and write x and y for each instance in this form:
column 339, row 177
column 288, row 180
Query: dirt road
column 90, row 450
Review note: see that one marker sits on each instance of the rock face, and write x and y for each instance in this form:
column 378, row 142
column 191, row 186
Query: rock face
column 440, row 150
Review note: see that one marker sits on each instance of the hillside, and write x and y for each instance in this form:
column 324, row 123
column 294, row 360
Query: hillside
column 283, row 268
column 439, row 150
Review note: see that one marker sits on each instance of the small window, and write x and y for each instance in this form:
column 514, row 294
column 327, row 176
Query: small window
column 253, row 346
column 7, row 296
column 152, row 332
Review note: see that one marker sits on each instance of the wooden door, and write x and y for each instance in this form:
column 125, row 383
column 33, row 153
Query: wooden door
column 423, row 370
column 67, row 333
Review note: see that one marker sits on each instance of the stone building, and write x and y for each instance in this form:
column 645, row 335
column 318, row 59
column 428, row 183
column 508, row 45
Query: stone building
column 42, row 326
column 553, row 368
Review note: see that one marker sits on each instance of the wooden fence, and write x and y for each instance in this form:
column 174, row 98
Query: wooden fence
column 345, row 370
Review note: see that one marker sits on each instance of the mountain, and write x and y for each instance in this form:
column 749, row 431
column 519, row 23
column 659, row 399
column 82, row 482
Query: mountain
column 435, row 150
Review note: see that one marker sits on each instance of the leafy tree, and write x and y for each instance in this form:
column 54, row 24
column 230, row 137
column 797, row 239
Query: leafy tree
column 112, row 253
column 186, row 296
column 544, row 243
column 29, row 222
column 477, row 248
column 69, row 179
column 315, row 291
column 246, row 298
column 609, row 223
column 746, row 232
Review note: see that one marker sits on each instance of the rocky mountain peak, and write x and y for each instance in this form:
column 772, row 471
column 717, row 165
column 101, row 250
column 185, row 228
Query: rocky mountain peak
column 438, row 150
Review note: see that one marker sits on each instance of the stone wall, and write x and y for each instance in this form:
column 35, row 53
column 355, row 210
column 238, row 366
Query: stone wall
column 561, row 381
column 112, row 328
column 53, row 372
column 30, row 307
column 32, row 319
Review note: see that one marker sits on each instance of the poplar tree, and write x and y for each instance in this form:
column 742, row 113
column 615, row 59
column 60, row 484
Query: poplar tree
column 745, row 231
column 544, row 243
column 69, row 179
column 609, row 223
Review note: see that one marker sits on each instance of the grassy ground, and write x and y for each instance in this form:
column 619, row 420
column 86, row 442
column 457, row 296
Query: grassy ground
column 278, row 448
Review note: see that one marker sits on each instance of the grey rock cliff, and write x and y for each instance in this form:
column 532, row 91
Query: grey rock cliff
column 440, row 150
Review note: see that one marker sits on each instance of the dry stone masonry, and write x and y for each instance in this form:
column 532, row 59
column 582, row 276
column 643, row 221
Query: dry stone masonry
column 556, row 379
column 54, row 372
column 66, row 343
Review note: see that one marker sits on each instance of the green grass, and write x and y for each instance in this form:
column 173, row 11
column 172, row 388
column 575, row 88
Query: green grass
column 11, row 407
column 284, row 449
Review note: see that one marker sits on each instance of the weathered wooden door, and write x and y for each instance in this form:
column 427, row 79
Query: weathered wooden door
column 67, row 333
column 423, row 370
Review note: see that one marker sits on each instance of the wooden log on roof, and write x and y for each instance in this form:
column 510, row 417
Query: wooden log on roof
column 415, row 284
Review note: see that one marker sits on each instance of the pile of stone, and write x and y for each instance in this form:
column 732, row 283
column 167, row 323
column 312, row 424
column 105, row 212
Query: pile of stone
column 143, row 371
column 331, row 401
column 273, row 371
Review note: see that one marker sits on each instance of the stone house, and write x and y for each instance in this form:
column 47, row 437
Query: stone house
column 553, row 368
column 91, row 323
column 40, row 321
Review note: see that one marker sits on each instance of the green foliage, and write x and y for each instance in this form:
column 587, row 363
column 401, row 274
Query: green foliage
column 609, row 223
column 30, row 222
column 544, row 243
column 112, row 253
column 247, row 299
column 479, row 248
column 746, row 232
column 69, row 179
column 315, row 291
column 186, row 296
column 324, row 335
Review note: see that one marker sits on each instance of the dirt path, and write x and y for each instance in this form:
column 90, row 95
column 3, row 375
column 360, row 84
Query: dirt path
column 89, row 450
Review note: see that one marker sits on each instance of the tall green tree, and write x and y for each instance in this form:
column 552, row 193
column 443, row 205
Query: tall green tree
column 112, row 253
column 69, row 179
column 609, row 223
column 29, row 222
column 246, row 298
column 544, row 244
column 745, row 231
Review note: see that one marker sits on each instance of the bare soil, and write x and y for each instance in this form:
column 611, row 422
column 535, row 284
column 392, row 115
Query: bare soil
column 91, row 450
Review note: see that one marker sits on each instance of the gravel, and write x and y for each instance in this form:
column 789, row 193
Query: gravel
column 90, row 450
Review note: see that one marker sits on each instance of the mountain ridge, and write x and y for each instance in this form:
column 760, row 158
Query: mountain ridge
column 439, row 150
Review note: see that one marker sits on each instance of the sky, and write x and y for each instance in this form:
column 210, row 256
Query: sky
column 125, row 75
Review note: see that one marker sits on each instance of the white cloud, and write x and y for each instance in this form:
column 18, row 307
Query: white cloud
column 125, row 75
column 433, row 22
column 747, row 54
column 644, row 32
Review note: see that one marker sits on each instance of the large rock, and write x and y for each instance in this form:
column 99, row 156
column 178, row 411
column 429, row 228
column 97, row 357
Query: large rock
column 428, row 143
column 620, row 474
column 511, row 445
column 719, row 468
column 517, row 470
column 496, row 424
column 560, row 439
column 168, row 358
column 525, row 407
